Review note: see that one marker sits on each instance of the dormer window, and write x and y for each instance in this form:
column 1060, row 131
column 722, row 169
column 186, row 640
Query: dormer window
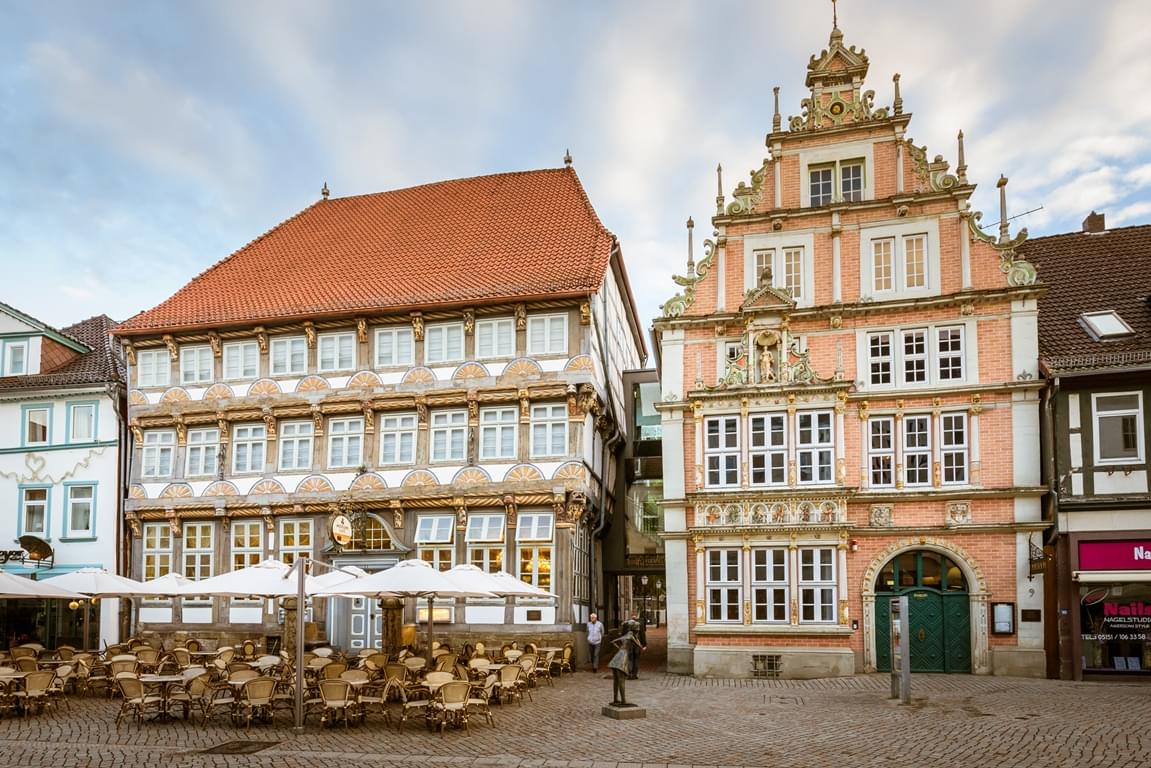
column 15, row 358
column 1105, row 326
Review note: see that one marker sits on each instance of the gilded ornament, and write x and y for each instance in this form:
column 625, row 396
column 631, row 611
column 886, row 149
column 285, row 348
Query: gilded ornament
column 361, row 330
column 310, row 333
column 170, row 343
column 469, row 321
column 521, row 317
column 214, row 341
column 130, row 352
column 262, row 338
column 417, row 326
column 585, row 313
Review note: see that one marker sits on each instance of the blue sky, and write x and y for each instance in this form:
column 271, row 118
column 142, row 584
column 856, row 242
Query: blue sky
column 142, row 142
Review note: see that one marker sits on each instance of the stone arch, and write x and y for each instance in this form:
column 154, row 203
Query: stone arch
column 521, row 367
column 263, row 388
column 471, row 476
column 221, row 488
column 419, row 478
column 218, row 392
column 469, row 371
column 523, row 473
column 364, row 380
column 175, row 395
column 315, row 484
column 419, row 375
column 313, row 383
column 369, row 482
column 977, row 591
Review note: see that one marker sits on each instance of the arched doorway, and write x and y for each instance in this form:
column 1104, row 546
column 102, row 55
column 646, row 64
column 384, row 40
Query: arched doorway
column 939, row 605
column 357, row 623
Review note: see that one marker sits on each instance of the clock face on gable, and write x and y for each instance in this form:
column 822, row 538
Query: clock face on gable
column 837, row 108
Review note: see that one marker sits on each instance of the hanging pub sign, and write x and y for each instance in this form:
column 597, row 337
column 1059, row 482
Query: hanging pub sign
column 35, row 552
column 341, row 530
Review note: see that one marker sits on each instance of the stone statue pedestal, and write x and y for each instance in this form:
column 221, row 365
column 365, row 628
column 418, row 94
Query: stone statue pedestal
column 624, row 711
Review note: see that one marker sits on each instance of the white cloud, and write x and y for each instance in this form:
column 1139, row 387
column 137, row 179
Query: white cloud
column 1134, row 214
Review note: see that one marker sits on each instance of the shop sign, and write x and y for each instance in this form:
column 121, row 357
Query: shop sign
column 341, row 529
column 1115, row 555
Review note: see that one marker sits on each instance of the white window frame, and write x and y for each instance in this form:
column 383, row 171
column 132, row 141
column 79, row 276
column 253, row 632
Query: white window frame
column 332, row 345
column 197, row 365
column 437, row 343
column 1097, row 415
column 77, row 408
column 491, row 332
column 26, row 415
column 880, row 366
column 887, row 272
column 153, row 368
column 881, row 452
column 393, row 429
column 764, row 259
column 296, row 529
column 10, row 349
column 846, row 194
column 535, row 531
column 395, row 347
column 301, row 436
column 70, row 507
column 548, row 344
column 918, row 356
column 549, row 426
column 724, row 586
column 921, row 452
column 447, row 424
column 293, row 346
column 240, row 537
column 45, row 512
column 793, row 276
column 345, row 442
column 721, row 451
column 497, row 425
column 767, row 449
column 770, row 586
column 818, row 588
column 199, row 561
column 905, row 268
column 535, row 526
column 914, row 366
column 826, row 185
column 159, row 447
column 485, row 528
column 836, row 181
column 241, row 361
column 202, row 452
column 952, row 354
column 954, row 444
column 435, row 529
column 249, row 436
column 157, row 547
column 813, row 449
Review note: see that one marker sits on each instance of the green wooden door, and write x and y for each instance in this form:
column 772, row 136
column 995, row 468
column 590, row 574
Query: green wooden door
column 940, row 627
column 926, row 626
column 957, row 632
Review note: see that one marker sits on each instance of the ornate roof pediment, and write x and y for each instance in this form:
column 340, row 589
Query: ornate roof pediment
column 767, row 298
column 837, row 63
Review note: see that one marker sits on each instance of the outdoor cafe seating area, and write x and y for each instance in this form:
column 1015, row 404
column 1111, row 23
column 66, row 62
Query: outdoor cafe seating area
column 191, row 685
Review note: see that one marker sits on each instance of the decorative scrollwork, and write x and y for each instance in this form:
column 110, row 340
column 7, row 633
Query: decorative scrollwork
column 678, row 304
column 746, row 198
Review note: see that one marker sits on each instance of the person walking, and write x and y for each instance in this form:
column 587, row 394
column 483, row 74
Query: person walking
column 638, row 630
column 594, row 640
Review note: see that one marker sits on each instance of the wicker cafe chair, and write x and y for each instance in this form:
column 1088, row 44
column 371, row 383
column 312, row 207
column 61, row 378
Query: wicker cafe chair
column 333, row 670
column 543, row 670
column 510, row 685
column 27, row 664
column 64, row 677
column 35, row 693
column 255, row 699
column 414, row 701
column 22, row 652
column 339, row 701
column 564, row 662
column 193, row 646
column 181, row 695
column 137, row 700
column 147, row 658
column 248, row 650
column 480, row 697
column 450, row 705
column 213, row 699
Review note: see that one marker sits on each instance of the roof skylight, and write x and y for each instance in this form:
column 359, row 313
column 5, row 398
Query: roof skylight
column 1104, row 326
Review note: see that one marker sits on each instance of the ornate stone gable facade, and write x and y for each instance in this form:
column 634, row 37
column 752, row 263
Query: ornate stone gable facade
column 850, row 409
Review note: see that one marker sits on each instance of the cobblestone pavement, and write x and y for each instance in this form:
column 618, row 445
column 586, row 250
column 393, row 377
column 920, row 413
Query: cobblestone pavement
column 954, row 720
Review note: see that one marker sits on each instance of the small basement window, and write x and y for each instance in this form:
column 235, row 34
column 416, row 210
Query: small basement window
column 766, row 665
column 1104, row 326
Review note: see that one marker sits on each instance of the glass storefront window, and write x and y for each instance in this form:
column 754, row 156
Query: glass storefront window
column 1115, row 622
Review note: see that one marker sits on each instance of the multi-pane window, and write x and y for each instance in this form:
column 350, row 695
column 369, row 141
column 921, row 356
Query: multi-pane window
column 81, row 422
column 851, row 181
column 724, row 585
column 1118, row 420
column 241, row 360
column 195, row 365
column 495, row 338
column 764, row 262
column 768, row 449
column 953, row 447
column 346, row 442
column 398, row 438
column 915, row 261
column 769, row 588
column 248, row 444
column 549, row 430
column 15, row 358
column 721, row 450
column 547, row 335
column 153, row 368
column 393, row 346
column 203, row 453
column 822, row 185
column 793, row 272
column 879, row 355
column 881, row 451
column 156, row 458
column 157, row 550
column 534, row 540
column 914, row 356
column 296, row 445
column 37, row 429
column 336, row 352
column 817, row 585
column 916, row 450
column 295, row 540
column 449, row 435
column 883, row 264
column 444, row 343
column 485, row 540
column 498, row 427
column 198, row 550
column 434, row 540
column 34, row 511
column 950, row 353
column 79, row 506
column 289, row 356
column 247, row 543
column 815, row 446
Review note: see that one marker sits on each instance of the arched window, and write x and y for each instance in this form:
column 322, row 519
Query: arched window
column 921, row 568
column 370, row 534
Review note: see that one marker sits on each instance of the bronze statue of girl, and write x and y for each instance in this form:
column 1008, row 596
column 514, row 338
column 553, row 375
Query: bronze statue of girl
column 619, row 664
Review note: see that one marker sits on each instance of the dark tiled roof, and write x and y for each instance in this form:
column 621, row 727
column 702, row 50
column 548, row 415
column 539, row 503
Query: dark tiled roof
column 95, row 367
column 1083, row 272
column 490, row 238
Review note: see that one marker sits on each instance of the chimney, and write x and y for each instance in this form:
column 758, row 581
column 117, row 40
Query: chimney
column 1094, row 223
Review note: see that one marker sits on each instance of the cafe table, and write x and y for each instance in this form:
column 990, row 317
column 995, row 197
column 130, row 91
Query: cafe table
column 164, row 684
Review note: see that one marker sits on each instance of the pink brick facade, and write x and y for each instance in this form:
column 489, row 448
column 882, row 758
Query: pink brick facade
column 849, row 378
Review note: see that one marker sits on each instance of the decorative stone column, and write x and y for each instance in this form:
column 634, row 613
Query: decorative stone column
column 393, row 621
column 289, row 632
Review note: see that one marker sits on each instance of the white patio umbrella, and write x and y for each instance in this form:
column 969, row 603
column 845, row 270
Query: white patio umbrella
column 17, row 588
column 514, row 587
column 266, row 579
column 337, row 576
column 171, row 584
column 97, row 582
column 409, row 578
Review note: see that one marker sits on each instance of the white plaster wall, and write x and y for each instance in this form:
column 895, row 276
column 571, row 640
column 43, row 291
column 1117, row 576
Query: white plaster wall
column 1029, row 595
column 1025, row 438
column 1121, row 482
column 1025, row 337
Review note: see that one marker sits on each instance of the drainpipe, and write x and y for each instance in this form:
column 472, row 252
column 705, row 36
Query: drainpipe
column 123, row 466
column 1053, row 636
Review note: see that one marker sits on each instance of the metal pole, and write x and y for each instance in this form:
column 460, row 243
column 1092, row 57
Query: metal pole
column 87, row 612
column 301, row 573
column 431, row 628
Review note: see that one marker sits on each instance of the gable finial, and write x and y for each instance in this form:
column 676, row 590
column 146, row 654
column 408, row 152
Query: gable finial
column 324, row 191
column 1004, row 228
column 776, row 119
column 567, row 158
column 834, row 15
column 961, row 168
column 719, row 189
column 897, row 105
column 690, row 257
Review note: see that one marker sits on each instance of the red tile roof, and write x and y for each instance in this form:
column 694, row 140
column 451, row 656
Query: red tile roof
column 99, row 366
column 489, row 238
